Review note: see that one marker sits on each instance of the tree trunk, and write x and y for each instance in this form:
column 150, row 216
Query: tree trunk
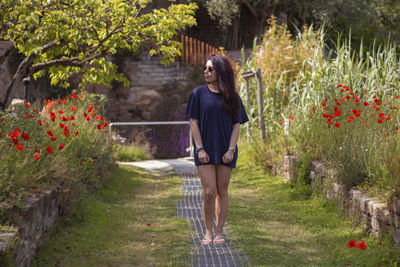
column 22, row 71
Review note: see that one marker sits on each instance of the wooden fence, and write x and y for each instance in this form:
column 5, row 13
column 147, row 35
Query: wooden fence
column 195, row 52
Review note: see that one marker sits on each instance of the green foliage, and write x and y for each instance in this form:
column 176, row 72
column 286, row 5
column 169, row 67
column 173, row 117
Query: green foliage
column 78, row 154
column 301, row 184
column 130, row 153
column 68, row 37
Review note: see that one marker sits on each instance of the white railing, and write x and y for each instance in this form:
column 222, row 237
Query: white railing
column 146, row 123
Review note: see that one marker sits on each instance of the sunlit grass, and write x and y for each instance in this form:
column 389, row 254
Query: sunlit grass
column 273, row 229
column 130, row 222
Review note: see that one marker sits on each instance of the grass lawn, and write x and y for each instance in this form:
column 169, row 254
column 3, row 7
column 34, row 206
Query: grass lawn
column 274, row 229
column 130, row 222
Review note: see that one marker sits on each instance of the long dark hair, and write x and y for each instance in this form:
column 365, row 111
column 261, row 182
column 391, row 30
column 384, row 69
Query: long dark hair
column 226, row 83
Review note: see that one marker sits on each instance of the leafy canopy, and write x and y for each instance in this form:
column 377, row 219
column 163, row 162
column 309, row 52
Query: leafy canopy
column 65, row 37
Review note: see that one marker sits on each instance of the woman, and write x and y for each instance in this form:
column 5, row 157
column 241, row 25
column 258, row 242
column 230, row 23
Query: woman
column 215, row 111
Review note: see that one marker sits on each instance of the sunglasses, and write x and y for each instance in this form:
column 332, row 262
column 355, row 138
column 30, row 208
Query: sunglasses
column 210, row 69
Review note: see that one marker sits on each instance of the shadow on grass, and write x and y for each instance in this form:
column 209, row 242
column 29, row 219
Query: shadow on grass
column 131, row 221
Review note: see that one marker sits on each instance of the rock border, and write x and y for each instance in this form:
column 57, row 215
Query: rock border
column 379, row 217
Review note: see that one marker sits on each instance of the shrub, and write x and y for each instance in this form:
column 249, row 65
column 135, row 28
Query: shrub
column 131, row 153
column 65, row 142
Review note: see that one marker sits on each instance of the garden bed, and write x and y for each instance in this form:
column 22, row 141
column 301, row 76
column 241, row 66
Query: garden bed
column 378, row 216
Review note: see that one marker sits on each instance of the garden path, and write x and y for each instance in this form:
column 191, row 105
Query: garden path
column 190, row 209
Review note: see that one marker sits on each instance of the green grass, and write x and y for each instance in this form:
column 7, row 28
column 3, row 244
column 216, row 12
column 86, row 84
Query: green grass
column 111, row 227
column 274, row 229
column 130, row 153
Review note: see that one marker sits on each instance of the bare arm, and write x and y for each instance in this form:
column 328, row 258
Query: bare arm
column 228, row 156
column 194, row 127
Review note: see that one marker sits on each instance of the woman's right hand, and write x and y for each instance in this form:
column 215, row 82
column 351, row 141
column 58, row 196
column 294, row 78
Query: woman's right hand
column 203, row 156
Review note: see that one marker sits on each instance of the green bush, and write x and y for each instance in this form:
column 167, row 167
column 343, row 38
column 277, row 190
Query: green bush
column 64, row 142
column 130, row 153
column 301, row 184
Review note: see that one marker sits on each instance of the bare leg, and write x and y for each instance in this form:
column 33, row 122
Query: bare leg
column 221, row 207
column 208, row 181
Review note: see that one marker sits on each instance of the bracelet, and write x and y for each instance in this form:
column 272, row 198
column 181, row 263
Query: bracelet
column 232, row 148
column 198, row 148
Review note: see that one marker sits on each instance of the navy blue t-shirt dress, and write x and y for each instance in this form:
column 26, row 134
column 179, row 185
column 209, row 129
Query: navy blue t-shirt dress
column 215, row 124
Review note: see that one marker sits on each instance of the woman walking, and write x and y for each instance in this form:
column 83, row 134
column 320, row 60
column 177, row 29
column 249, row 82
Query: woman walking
column 215, row 111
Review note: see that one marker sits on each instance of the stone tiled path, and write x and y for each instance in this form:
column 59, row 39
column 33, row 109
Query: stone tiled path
column 190, row 209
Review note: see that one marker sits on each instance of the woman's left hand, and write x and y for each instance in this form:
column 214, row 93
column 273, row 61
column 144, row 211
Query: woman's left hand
column 228, row 157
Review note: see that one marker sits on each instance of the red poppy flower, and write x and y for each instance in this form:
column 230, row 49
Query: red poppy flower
column 62, row 125
column 66, row 132
column 339, row 85
column 60, row 111
column 351, row 117
column 20, row 148
column 64, row 119
column 377, row 108
column 105, row 124
column 282, row 122
column 61, row 147
column 362, row 245
column 40, row 122
column 99, row 125
column 381, row 115
column 337, row 113
column 357, row 100
column 73, row 95
column 366, row 104
column 88, row 118
column 3, row 119
column 49, row 149
column 380, row 121
column 27, row 105
column 73, row 109
column 347, row 97
column 36, row 157
column 80, row 97
column 351, row 92
column 76, row 133
column 352, row 244
column 148, row 224
column 337, row 124
column 53, row 138
column 15, row 141
column 313, row 108
column 49, row 133
column 25, row 136
column 323, row 104
column 388, row 118
column 342, row 90
column 90, row 108
column 349, row 121
column 376, row 100
column 15, row 133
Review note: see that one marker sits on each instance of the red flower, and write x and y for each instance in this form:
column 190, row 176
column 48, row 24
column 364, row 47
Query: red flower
column 337, row 124
column 88, row 118
column 352, row 244
column 37, row 151
column 25, row 136
column 337, row 113
column 73, row 109
column 76, row 133
column 36, row 157
column 357, row 100
column 49, row 149
column 376, row 100
column 40, row 122
column 15, row 133
column 380, row 121
column 352, row 117
column 66, row 131
column 148, row 224
column 381, row 115
column 313, row 108
column 61, row 147
column 349, row 121
column 60, row 111
column 366, row 104
column 282, row 122
column 49, row 133
column 73, row 95
column 339, row 85
column 20, row 148
column 362, row 245
column 62, row 125
column 388, row 118
column 53, row 138
column 347, row 97
column 72, row 117
column 90, row 108
column 99, row 125
column 396, row 96
column 27, row 105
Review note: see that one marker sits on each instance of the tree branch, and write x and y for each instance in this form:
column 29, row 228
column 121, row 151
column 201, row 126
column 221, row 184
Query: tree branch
column 250, row 7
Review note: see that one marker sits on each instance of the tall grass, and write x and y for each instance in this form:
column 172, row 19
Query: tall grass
column 300, row 75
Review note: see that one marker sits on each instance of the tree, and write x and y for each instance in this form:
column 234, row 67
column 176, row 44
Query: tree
column 65, row 37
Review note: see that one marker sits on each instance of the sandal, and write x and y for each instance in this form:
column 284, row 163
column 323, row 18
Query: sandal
column 205, row 241
column 219, row 240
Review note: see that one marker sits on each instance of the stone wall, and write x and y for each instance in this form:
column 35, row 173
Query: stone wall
column 379, row 217
column 37, row 217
